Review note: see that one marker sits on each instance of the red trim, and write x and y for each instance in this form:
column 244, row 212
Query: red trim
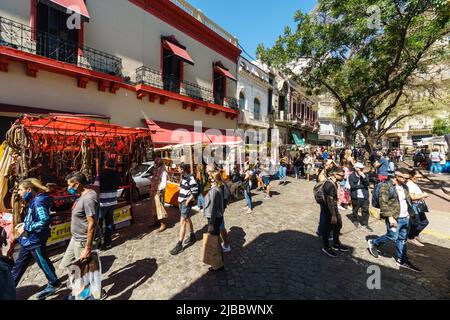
column 170, row 13
column 32, row 110
column 33, row 18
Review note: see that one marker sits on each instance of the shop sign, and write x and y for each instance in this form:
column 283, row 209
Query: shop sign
column 122, row 214
column 59, row 233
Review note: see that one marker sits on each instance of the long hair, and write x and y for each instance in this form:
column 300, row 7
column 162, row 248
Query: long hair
column 35, row 185
column 217, row 177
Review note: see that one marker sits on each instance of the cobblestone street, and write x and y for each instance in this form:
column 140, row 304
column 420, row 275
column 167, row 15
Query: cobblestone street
column 275, row 255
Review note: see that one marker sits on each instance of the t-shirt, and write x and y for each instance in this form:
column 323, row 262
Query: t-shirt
column 85, row 206
column 383, row 170
column 109, row 183
column 414, row 188
column 330, row 189
column 403, row 204
column 435, row 156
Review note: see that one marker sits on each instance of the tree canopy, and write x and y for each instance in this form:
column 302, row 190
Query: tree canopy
column 371, row 56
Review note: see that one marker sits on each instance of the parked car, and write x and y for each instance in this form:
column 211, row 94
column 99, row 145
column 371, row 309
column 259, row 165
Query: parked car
column 142, row 177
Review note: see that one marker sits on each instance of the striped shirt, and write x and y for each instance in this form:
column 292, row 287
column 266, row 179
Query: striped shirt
column 108, row 199
column 188, row 187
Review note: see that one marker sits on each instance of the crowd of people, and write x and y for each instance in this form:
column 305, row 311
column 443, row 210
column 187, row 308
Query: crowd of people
column 343, row 181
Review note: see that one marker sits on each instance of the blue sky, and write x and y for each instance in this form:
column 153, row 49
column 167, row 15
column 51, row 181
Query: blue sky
column 253, row 21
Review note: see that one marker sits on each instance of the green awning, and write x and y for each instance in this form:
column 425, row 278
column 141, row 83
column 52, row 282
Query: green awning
column 313, row 136
column 298, row 140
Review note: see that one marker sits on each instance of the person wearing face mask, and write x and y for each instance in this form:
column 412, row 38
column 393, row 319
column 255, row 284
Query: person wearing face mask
column 333, row 220
column 84, row 220
column 34, row 233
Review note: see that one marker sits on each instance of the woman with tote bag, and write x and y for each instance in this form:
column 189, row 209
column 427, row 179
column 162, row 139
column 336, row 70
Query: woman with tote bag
column 213, row 211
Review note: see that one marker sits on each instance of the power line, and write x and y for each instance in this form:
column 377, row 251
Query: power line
column 245, row 51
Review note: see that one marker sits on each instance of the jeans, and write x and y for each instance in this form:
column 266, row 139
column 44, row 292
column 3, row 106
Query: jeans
column 398, row 235
column 328, row 227
column 8, row 289
column 420, row 223
column 107, row 215
column 435, row 167
column 282, row 173
column 248, row 198
column 39, row 255
column 297, row 172
column 217, row 223
column 201, row 198
column 364, row 205
column 322, row 221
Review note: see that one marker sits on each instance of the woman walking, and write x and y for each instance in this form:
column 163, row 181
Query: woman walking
column 344, row 188
column 157, row 188
column 34, row 233
column 420, row 208
column 214, row 210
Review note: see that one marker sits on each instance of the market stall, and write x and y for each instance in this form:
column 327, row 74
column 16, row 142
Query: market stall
column 49, row 148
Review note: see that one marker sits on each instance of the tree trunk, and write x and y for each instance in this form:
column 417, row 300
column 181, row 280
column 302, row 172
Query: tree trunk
column 348, row 136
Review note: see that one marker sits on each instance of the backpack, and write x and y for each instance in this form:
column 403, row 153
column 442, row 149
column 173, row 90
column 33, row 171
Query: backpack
column 376, row 194
column 318, row 192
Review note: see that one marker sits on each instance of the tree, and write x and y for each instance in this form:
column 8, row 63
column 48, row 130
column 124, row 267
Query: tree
column 441, row 127
column 366, row 53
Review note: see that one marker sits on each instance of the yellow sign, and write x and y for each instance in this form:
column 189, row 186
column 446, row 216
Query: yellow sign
column 122, row 214
column 59, row 233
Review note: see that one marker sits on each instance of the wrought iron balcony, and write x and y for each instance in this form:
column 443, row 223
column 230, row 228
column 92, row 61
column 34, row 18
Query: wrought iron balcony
column 150, row 77
column 21, row 37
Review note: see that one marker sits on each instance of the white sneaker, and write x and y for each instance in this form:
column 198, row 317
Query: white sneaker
column 226, row 249
column 249, row 211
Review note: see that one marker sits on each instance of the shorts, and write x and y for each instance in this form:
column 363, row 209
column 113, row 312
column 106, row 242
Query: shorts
column 266, row 180
column 185, row 210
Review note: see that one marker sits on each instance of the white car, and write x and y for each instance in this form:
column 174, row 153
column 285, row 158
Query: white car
column 142, row 176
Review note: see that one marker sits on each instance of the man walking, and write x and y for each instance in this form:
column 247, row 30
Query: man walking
column 84, row 220
column 382, row 166
column 359, row 191
column 109, row 184
column 396, row 208
column 333, row 218
column 188, row 191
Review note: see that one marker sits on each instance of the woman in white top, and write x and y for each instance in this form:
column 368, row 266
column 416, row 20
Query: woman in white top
column 420, row 208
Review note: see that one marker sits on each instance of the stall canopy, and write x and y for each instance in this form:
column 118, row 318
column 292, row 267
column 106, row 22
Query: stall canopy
column 76, row 126
column 298, row 139
column 165, row 133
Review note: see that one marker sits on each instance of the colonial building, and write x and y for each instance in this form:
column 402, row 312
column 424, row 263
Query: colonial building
column 161, row 61
column 253, row 96
column 331, row 130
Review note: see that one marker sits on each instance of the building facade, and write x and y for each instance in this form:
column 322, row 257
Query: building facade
column 331, row 129
column 253, row 99
column 162, row 63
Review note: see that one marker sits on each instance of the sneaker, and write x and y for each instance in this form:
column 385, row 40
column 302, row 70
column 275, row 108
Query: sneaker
column 416, row 242
column 281, row 183
column 408, row 265
column 267, row 197
column 341, row 248
column 356, row 224
column 190, row 241
column 372, row 248
column 178, row 249
column 367, row 228
column 106, row 247
column 226, row 249
column 329, row 252
column 222, row 268
column 48, row 291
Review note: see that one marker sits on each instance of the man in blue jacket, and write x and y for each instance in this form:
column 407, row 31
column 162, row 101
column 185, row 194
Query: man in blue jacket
column 34, row 233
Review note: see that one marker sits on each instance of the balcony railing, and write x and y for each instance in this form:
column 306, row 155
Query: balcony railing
column 420, row 127
column 147, row 76
column 21, row 37
column 197, row 14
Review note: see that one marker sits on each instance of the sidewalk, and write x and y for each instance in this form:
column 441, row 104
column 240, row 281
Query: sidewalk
column 440, row 181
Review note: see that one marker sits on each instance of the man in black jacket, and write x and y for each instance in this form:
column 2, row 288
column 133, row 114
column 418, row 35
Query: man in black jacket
column 359, row 192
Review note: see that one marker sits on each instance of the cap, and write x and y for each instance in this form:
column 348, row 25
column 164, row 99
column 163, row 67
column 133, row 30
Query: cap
column 359, row 165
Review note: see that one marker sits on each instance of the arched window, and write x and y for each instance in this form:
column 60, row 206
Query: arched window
column 257, row 109
column 241, row 101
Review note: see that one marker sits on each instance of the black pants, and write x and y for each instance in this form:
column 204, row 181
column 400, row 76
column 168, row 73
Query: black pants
column 328, row 227
column 39, row 254
column 364, row 205
column 107, row 217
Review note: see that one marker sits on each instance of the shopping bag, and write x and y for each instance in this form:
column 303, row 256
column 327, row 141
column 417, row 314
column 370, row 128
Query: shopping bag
column 375, row 213
column 85, row 278
column 212, row 252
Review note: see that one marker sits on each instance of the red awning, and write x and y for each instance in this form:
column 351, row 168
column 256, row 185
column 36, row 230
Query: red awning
column 165, row 133
column 180, row 52
column 225, row 72
column 77, row 6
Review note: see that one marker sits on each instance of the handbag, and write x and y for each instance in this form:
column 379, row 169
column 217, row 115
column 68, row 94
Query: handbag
column 422, row 206
column 211, row 251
